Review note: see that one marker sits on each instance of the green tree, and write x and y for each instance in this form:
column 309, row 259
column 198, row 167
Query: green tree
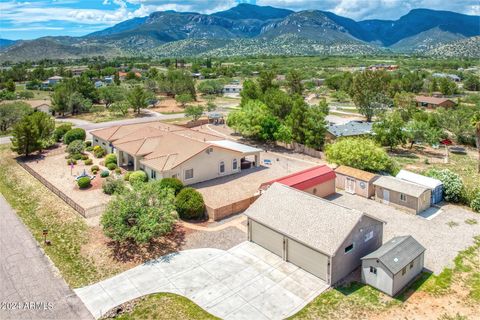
column 141, row 214
column 111, row 94
column 195, row 112
column 25, row 137
column 189, row 203
column 447, row 86
column 421, row 131
column 265, row 80
column 279, row 102
column 10, row 85
column 457, row 122
column 368, row 92
column 471, row 83
column 314, row 127
column 284, row 134
column 250, row 91
column 11, row 113
column 360, row 153
column 60, row 100
column 183, row 99
column 294, row 82
column 45, row 126
column 116, row 79
column 404, row 103
column 389, row 130
column 210, row 87
column 138, row 98
column 211, row 106
column 120, row 107
column 475, row 121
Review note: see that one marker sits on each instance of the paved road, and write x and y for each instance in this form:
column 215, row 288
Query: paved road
column 27, row 277
column 245, row 282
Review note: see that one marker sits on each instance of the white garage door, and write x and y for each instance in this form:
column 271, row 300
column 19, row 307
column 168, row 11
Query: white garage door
column 267, row 238
column 308, row 259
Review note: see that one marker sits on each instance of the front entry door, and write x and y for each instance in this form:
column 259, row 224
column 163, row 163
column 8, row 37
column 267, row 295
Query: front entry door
column 350, row 185
column 386, row 196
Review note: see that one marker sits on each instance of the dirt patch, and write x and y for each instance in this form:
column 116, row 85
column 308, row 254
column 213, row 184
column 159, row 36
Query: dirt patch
column 170, row 105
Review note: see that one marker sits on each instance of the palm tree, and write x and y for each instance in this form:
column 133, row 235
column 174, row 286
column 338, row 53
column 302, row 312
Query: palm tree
column 476, row 124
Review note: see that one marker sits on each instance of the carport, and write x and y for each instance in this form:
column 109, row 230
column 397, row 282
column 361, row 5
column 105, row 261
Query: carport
column 244, row 149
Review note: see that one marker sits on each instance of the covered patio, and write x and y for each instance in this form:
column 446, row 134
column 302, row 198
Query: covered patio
column 244, row 149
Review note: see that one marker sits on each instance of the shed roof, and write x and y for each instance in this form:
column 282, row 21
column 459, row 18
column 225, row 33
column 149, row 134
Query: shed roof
column 304, row 179
column 352, row 128
column 318, row 223
column 397, row 253
column 399, row 185
column 356, row 173
column 419, row 179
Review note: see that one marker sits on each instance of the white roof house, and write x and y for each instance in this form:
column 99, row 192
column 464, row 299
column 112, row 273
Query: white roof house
column 419, row 179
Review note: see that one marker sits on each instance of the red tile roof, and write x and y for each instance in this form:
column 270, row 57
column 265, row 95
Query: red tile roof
column 304, row 179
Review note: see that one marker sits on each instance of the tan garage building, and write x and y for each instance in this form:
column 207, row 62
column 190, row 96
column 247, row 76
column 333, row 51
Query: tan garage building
column 355, row 181
column 402, row 194
column 323, row 238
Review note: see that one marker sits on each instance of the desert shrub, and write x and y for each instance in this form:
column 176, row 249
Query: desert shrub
column 138, row 176
column 111, row 185
column 189, row 203
column 99, row 153
column 83, row 182
column 126, row 177
column 96, row 148
column 95, row 169
column 172, row 183
column 104, row 173
column 111, row 166
column 110, row 158
column 475, row 202
column 71, row 161
column 88, row 143
column 118, row 170
column 88, row 162
column 360, row 153
column 61, row 130
column 74, row 134
column 89, row 149
column 453, row 188
column 76, row 156
column 84, row 157
column 76, row 147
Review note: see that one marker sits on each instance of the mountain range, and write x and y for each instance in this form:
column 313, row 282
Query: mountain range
column 250, row 29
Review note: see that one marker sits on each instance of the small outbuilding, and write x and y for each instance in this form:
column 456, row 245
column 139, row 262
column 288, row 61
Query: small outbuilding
column 321, row 237
column 394, row 265
column 433, row 102
column 402, row 194
column 319, row 181
column 355, row 181
column 435, row 185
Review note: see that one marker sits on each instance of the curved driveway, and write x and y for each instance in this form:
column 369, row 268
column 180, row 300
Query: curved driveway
column 245, row 282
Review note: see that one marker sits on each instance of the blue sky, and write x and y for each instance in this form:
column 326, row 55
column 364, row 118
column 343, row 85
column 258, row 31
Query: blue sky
column 20, row 19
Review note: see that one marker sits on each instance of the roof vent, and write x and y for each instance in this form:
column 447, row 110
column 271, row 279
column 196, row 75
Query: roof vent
column 395, row 259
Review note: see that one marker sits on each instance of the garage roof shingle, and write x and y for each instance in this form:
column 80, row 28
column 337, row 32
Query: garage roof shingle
column 311, row 220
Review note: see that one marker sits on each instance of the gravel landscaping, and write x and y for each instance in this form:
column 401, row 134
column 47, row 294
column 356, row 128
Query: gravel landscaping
column 451, row 230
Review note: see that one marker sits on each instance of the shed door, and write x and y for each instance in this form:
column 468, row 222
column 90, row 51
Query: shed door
column 267, row 238
column 386, row 196
column 350, row 185
column 308, row 259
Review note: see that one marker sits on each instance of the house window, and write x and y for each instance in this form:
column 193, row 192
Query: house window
column 96, row 140
column 404, row 270
column 153, row 174
column 175, row 175
column 349, row 248
column 368, row 236
column 222, row 167
column 411, row 265
column 403, row 197
column 373, row 270
column 234, row 164
column 188, row 174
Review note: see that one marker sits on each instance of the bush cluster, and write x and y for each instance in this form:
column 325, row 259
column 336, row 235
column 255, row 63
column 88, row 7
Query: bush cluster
column 111, row 166
column 95, row 169
column 118, row 170
column 111, row 185
column 110, row 158
column 453, row 188
column 475, row 202
column 60, row 131
column 88, row 143
column 138, row 177
column 126, row 177
column 104, row 173
column 172, row 183
column 190, row 205
column 74, row 134
column 83, row 182
column 88, row 162
column 71, row 161
column 76, row 147
column 98, row 152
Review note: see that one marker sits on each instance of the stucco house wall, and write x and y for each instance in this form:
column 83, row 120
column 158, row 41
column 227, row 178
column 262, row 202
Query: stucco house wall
column 96, row 141
column 344, row 263
column 412, row 204
column 323, row 189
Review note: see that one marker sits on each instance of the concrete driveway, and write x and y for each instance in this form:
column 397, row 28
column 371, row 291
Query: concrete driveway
column 245, row 282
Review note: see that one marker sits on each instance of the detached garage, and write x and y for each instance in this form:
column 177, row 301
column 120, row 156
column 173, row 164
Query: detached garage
column 320, row 237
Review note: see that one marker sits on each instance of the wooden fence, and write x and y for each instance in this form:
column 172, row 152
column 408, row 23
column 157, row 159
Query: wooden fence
column 230, row 209
column 89, row 212
column 297, row 147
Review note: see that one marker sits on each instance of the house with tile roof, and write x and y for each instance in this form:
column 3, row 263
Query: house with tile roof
column 394, row 265
column 433, row 102
column 164, row 151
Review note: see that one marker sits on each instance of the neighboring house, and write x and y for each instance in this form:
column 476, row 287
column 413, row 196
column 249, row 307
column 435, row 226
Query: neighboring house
column 108, row 79
column 51, row 81
column 394, row 265
column 317, row 235
column 76, row 72
column 99, row 84
column 402, row 194
column 349, row 129
column 355, row 181
column 435, row 185
column 433, row 102
column 123, row 75
column 382, row 66
column 319, row 181
column 232, row 88
column 450, row 76
column 165, row 151
column 198, row 75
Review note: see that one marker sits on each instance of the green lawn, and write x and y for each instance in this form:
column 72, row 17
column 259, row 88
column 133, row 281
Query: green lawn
column 40, row 209
column 166, row 306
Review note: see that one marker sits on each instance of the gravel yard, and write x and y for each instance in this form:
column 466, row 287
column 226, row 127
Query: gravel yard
column 55, row 170
column 451, row 230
